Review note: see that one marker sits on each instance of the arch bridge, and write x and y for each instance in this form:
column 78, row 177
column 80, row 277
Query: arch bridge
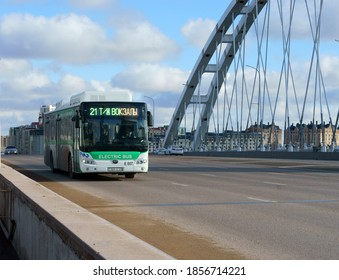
column 240, row 92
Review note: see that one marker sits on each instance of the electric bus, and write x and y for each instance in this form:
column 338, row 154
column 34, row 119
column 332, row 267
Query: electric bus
column 98, row 132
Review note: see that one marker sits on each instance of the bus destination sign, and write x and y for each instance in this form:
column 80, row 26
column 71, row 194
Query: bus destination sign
column 113, row 111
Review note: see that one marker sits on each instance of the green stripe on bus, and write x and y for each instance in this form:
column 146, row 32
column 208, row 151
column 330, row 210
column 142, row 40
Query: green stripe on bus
column 115, row 155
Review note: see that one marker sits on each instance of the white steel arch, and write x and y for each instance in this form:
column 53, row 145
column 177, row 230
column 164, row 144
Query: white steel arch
column 223, row 44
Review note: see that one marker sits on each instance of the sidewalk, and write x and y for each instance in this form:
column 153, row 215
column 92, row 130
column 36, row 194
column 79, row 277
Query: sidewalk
column 7, row 251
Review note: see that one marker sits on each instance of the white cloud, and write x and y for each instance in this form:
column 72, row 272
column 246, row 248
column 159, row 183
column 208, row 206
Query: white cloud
column 68, row 38
column 10, row 68
column 163, row 115
column 76, row 39
column 328, row 66
column 151, row 78
column 100, row 86
column 24, row 88
column 197, row 31
column 20, row 81
column 142, row 42
column 70, row 84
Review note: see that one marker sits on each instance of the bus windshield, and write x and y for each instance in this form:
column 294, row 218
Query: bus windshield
column 114, row 127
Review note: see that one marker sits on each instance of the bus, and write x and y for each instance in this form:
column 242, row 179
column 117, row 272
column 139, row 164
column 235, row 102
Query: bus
column 98, row 132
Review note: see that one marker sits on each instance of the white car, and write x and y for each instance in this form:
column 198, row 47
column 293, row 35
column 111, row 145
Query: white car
column 173, row 150
column 11, row 150
column 161, row 151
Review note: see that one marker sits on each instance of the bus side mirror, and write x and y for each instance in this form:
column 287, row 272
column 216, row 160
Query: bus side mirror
column 76, row 119
column 149, row 119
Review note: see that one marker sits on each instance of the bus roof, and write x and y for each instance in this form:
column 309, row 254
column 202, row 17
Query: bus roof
column 114, row 96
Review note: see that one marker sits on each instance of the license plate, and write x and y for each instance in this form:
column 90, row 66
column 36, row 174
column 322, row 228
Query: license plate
column 115, row 169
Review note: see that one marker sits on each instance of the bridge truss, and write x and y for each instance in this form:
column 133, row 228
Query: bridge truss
column 232, row 86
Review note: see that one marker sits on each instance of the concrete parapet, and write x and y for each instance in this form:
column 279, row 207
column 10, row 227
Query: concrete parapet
column 43, row 225
column 274, row 154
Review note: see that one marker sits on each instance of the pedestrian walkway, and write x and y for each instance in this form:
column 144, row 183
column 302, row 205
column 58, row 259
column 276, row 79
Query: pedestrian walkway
column 7, row 251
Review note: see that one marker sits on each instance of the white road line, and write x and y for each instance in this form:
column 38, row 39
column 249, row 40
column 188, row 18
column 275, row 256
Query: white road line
column 260, row 199
column 274, row 183
column 178, row 184
column 208, row 175
column 298, row 166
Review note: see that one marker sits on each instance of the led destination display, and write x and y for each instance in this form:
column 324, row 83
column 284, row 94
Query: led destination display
column 113, row 111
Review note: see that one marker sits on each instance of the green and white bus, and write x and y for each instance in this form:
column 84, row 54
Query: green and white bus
column 98, row 132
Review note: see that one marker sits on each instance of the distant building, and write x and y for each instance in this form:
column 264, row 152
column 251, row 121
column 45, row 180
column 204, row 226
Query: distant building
column 250, row 139
column 156, row 137
column 272, row 135
column 29, row 139
column 4, row 142
column 311, row 136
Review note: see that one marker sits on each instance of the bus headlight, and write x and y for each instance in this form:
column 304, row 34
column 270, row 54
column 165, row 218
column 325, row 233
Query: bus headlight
column 86, row 158
column 87, row 161
column 141, row 161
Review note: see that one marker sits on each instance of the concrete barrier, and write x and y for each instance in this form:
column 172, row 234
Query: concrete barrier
column 272, row 154
column 43, row 225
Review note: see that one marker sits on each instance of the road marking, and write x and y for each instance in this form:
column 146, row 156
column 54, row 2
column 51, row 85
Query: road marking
column 208, row 175
column 179, row 184
column 274, row 183
column 256, row 201
column 261, row 200
column 299, row 166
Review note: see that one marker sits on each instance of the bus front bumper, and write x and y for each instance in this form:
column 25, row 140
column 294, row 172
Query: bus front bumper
column 138, row 166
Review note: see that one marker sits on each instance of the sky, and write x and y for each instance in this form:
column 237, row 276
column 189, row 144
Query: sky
column 51, row 49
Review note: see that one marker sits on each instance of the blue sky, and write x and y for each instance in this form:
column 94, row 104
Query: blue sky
column 51, row 49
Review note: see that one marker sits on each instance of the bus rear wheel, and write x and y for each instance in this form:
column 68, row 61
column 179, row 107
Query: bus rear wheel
column 129, row 175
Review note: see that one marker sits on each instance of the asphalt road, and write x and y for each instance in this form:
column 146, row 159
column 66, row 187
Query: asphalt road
column 199, row 207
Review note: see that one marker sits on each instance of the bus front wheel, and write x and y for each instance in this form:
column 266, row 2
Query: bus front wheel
column 129, row 175
column 51, row 163
column 71, row 173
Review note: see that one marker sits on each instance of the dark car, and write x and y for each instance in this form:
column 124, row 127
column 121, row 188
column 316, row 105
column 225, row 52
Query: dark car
column 11, row 150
